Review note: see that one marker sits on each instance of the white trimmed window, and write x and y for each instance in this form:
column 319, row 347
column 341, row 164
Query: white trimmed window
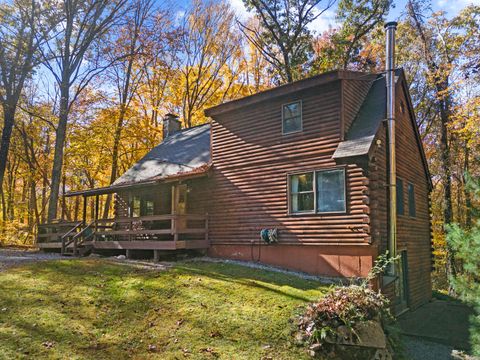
column 302, row 194
column 292, row 117
column 321, row 191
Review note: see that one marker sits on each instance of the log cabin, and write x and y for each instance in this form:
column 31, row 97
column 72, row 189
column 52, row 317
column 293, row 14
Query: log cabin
column 298, row 176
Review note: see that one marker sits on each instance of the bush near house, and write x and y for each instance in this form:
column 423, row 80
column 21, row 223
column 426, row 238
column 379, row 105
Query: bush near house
column 466, row 246
column 352, row 315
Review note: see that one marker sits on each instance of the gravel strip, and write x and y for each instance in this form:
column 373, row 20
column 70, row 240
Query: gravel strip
column 321, row 279
column 14, row 257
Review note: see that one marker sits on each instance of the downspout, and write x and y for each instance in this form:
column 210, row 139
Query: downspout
column 392, row 171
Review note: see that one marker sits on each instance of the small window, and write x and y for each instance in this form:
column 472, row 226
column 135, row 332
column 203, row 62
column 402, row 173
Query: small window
column 400, row 201
column 411, row 200
column 302, row 195
column 292, row 117
column 331, row 191
column 149, row 207
column 136, row 206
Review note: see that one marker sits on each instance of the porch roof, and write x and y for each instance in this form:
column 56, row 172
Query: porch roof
column 183, row 154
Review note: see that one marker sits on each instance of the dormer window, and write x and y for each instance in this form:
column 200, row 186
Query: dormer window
column 292, row 117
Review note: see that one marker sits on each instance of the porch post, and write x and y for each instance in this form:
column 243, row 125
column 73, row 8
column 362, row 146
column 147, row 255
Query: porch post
column 97, row 206
column 130, row 215
column 84, row 215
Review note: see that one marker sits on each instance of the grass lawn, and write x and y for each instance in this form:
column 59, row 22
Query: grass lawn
column 95, row 309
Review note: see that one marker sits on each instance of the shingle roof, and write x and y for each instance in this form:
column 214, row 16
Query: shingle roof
column 361, row 134
column 187, row 151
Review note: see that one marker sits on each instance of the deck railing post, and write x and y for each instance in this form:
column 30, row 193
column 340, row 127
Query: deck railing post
column 175, row 229
column 84, row 214
column 97, row 210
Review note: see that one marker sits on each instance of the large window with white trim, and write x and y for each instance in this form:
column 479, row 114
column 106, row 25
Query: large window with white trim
column 321, row 191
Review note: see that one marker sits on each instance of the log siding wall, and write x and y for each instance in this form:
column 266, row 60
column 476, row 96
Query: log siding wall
column 252, row 160
column 413, row 233
column 251, row 163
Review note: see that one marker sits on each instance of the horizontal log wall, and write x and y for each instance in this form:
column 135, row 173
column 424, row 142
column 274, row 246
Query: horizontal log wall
column 252, row 158
column 413, row 233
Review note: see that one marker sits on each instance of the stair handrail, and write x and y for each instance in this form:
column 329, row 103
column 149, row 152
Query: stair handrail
column 75, row 238
column 68, row 234
column 66, row 242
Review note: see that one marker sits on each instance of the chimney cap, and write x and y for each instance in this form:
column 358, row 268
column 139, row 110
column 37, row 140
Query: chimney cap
column 391, row 24
column 171, row 115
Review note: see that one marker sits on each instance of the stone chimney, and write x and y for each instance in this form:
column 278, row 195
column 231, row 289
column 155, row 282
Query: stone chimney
column 171, row 125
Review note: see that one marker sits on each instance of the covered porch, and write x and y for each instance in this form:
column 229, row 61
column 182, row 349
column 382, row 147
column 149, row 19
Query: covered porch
column 148, row 216
column 160, row 203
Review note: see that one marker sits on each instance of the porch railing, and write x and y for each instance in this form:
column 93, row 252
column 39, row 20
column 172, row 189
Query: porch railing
column 169, row 224
column 53, row 232
column 172, row 227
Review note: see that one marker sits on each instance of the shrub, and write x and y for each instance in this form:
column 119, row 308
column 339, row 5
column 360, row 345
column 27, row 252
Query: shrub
column 334, row 319
column 343, row 307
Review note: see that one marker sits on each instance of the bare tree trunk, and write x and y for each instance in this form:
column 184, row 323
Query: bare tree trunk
column 9, row 118
column 65, row 210
column 444, row 106
column 61, row 133
column 45, row 180
column 76, row 208
column 4, row 205
column 34, row 216
column 466, row 192
column 11, row 179
column 116, row 146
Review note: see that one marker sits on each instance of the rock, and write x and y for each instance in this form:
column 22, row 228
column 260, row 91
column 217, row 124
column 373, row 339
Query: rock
column 382, row 354
column 93, row 255
column 459, row 355
column 121, row 257
column 316, row 347
column 371, row 334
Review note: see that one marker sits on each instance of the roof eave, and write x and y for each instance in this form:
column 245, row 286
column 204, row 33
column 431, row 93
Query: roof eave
column 287, row 89
column 201, row 171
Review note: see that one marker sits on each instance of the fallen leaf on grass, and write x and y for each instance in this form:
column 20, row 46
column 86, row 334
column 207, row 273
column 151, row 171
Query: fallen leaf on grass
column 214, row 334
column 48, row 344
column 209, row 350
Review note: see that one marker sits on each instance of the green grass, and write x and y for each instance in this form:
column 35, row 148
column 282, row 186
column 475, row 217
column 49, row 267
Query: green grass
column 95, row 309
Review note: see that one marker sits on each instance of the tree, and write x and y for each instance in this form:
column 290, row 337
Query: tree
column 23, row 30
column 159, row 61
column 83, row 25
column 209, row 48
column 343, row 47
column 126, row 74
column 283, row 37
column 466, row 243
column 444, row 44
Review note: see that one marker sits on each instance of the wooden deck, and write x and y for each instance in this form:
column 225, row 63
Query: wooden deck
column 155, row 232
